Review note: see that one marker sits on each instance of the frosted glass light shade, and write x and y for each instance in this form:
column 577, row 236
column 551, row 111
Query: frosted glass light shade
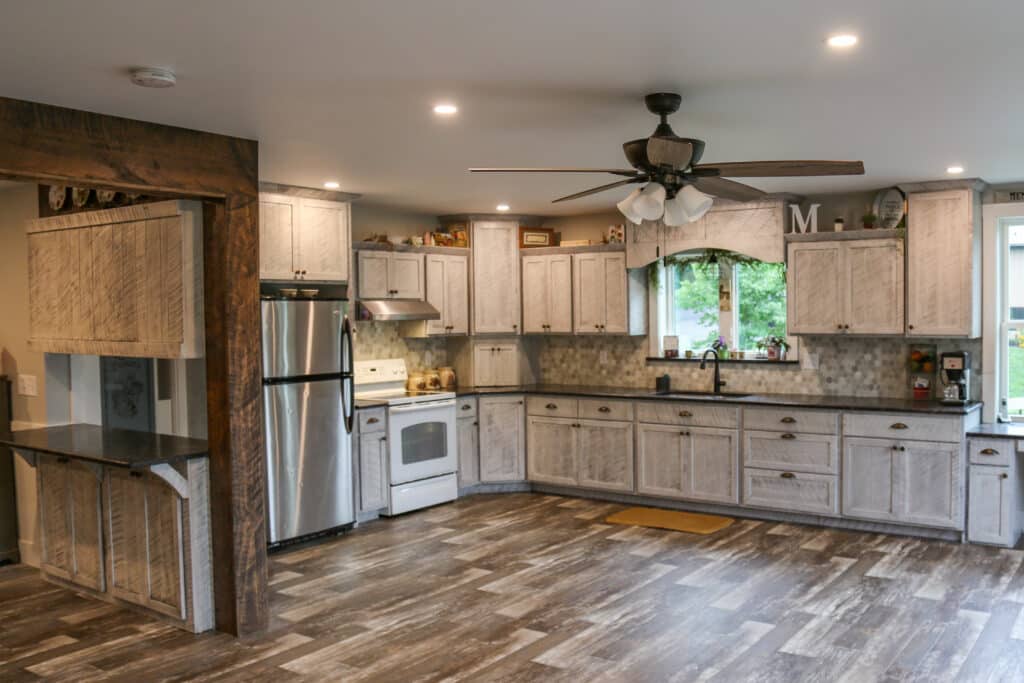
column 627, row 207
column 675, row 212
column 694, row 202
column 650, row 205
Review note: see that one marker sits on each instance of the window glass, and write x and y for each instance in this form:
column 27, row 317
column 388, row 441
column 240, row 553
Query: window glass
column 693, row 304
column 1015, row 272
column 761, row 298
column 1015, row 368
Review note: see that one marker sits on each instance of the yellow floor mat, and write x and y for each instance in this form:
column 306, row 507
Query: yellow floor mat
column 675, row 520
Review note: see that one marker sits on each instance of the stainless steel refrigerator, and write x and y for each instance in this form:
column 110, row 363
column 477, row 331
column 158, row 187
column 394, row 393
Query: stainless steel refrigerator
column 307, row 413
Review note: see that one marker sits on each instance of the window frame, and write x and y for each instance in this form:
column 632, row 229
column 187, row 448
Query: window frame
column 1006, row 323
column 994, row 357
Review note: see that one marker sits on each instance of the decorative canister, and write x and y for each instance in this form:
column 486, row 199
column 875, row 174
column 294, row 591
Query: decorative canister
column 448, row 380
column 433, row 379
column 417, row 381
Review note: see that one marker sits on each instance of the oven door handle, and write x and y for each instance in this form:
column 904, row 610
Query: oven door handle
column 416, row 407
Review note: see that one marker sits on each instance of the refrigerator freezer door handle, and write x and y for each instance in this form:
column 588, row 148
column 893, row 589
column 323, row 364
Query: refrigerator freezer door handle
column 347, row 379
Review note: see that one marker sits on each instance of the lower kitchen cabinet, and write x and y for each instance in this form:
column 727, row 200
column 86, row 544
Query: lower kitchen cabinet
column 467, row 433
column 552, row 444
column 791, row 491
column 868, row 478
column 605, row 455
column 502, row 438
column 992, row 517
column 372, row 458
column 70, row 521
column 689, row 463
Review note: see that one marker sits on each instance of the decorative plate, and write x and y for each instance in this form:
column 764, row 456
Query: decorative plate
column 58, row 196
column 80, row 196
column 105, row 196
column 890, row 207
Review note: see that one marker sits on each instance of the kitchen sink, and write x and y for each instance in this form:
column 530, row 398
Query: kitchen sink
column 702, row 394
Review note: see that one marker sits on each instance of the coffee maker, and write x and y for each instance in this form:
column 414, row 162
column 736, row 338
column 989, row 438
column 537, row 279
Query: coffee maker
column 955, row 367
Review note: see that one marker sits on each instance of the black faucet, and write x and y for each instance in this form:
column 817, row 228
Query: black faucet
column 719, row 382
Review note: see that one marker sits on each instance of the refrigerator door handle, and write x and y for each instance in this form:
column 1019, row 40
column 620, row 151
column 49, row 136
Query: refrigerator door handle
column 347, row 376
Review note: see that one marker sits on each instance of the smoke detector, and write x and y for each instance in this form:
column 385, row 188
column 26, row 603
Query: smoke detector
column 154, row 78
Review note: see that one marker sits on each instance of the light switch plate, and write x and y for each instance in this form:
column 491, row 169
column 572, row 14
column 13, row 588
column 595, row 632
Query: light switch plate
column 28, row 385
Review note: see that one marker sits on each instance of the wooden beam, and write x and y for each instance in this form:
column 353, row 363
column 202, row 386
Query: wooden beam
column 46, row 144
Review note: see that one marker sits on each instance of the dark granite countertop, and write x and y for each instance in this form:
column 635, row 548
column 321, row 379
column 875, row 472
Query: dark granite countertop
column 897, row 405
column 117, row 447
column 1001, row 430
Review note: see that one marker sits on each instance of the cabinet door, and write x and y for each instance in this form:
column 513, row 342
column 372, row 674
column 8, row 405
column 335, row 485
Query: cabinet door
column 373, row 275
column 456, row 300
column 588, row 293
column 437, row 292
column 929, row 484
column 552, row 446
column 469, row 451
column 940, row 288
column 559, row 294
column 373, row 473
column 485, row 364
column 505, row 365
column 496, row 305
column 85, row 492
column 502, row 442
column 711, row 465
column 606, row 455
column 406, row 276
column 54, row 516
column 874, row 286
column 660, row 452
column 536, row 315
column 53, row 266
column 616, row 296
column 278, row 215
column 116, row 272
column 814, row 296
column 322, row 240
column 868, row 478
column 990, row 517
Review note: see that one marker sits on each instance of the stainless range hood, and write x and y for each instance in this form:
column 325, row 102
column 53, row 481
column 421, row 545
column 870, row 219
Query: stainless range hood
column 397, row 309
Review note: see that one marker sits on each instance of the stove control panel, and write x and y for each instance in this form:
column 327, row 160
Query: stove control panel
column 386, row 371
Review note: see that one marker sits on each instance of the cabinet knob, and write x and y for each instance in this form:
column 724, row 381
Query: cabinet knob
column 551, row 406
column 383, row 438
column 839, row 326
column 605, row 409
column 303, row 272
column 476, row 424
column 898, row 425
column 788, row 420
column 787, row 436
column 684, row 433
column 903, row 448
column 1004, row 475
column 515, row 327
column 520, row 403
column 910, row 327
column 989, row 451
column 788, row 475
column 685, row 413
column 597, row 327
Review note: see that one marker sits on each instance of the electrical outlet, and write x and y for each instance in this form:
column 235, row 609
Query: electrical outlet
column 27, row 385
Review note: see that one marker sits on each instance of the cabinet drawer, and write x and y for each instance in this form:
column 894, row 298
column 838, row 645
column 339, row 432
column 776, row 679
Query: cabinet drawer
column 990, row 451
column 791, row 491
column 552, row 406
column 693, row 414
column 897, row 426
column 371, row 420
column 595, row 409
column 792, row 451
column 465, row 407
column 791, row 420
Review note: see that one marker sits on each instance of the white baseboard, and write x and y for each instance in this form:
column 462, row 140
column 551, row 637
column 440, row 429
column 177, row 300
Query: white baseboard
column 29, row 552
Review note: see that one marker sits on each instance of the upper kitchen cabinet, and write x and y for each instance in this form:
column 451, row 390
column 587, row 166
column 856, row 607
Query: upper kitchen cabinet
column 389, row 275
column 943, row 262
column 118, row 282
column 448, row 291
column 496, row 302
column 304, row 239
column 845, row 286
column 608, row 299
column 547, row 294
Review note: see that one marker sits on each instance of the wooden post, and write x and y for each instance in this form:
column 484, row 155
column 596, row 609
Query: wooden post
column 46, row 144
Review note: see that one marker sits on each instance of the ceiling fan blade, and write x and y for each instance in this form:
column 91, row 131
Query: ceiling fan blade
column 727, row 189
column 669, row 152
column 601, row 188
column 769, row 169
column 615, row 171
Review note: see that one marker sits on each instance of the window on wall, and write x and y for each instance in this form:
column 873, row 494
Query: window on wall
column 739, row 302
column 1012, row 324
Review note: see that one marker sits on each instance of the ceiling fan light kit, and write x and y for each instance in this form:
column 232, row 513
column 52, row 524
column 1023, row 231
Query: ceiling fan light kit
column 627, row 207
column 650, row 205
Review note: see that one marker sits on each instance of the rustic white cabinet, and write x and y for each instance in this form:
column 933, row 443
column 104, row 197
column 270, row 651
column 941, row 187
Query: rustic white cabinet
column 851, row 286
column 495, row 291
column 547, row 294
column 943, row 263
column 553, row 448
column 70, row 521
column 447, row 290
column 869, row 471
column 390, row 275
column 496, row 364
column 371, row 459
column 690, row 463
column 992, row 517
column 304, row 239
column 606, row 298
column 468, row 434
column 605, row 454
column 502, row 438
column 572, row 451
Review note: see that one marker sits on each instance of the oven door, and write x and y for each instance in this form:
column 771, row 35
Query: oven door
column 421, row 438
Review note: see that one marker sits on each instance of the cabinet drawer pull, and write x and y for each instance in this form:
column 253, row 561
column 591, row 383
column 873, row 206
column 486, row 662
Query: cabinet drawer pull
column 551, row 406
column 787, row 436
column 685, row 413
column 372, row 420
column 467, row 407
column 898, row 425
column 788, row 420
column 788, row 475
column 684, row 433
column 476, row 424
column 605, row 409
column 989, row 451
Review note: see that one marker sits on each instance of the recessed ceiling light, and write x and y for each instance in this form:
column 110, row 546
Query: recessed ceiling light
column 842, row 40
column 502, row 207
column 955, row 170
column 332, row 185
column 151, row 77
column 445, row 109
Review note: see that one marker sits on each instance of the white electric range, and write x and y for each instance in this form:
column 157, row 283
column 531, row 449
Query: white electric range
column 422, row 446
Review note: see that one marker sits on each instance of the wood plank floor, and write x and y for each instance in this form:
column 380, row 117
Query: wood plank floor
column 524, row 587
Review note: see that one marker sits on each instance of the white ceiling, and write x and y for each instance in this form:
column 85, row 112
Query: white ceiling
column 344, row 90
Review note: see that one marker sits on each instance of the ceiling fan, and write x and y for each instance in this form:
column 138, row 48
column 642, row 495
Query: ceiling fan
column 676, row 187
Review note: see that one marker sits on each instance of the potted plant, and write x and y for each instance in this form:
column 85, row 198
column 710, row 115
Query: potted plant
column 869, row 220
column 774, row 345
column 721, row 348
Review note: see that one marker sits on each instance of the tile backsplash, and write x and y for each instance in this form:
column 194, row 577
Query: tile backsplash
column 376, row 340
